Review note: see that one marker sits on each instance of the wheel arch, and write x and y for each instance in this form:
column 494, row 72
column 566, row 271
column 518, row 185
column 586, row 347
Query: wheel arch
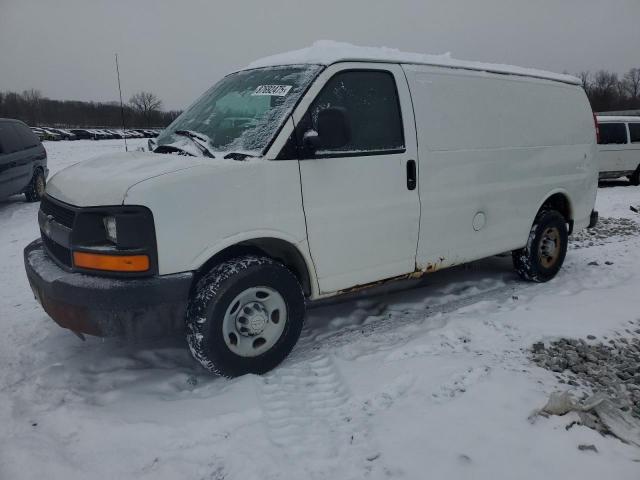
column 560, row 201
column 273, row 247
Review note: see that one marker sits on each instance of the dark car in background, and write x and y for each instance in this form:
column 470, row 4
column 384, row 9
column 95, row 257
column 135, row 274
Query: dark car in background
column 23, row 161
column 102, row 134
column 65, row 134
column 114, row 133
column 146, row 133
column 83, row 134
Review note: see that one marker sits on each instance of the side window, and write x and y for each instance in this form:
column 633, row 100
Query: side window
column 613, row 133
column 634, row 132
column 368, row 100
column 28, row 138
column 9, row 138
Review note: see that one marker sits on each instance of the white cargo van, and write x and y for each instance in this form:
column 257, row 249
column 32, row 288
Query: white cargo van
column 619, row 147
column 308, row 175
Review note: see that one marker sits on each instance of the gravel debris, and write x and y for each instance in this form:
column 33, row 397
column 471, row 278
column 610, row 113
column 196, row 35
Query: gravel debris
column 604, row 231
column 611, row 368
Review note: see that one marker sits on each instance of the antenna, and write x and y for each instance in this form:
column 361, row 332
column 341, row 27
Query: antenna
column 124, row 131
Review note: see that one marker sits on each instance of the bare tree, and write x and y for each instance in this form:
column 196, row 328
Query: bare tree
column 32, row 99
column 145, row 104
column 604, row 91
column 632, row 83
column 35, row 109
column 621, row 90
column 604, row 83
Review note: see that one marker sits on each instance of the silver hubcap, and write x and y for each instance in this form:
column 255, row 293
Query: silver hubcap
column 549, row 249
column 254, row 321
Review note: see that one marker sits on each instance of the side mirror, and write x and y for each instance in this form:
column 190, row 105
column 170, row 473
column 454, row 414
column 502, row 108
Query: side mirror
column 311, row 141
column 333, row 128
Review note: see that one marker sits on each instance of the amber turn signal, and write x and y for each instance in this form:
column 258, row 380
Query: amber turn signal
column 112, row 263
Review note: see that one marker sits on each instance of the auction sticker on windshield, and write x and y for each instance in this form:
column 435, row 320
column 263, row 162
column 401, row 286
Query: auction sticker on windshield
column 272, row 90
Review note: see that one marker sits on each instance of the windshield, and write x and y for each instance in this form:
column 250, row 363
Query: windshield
column 243, row 111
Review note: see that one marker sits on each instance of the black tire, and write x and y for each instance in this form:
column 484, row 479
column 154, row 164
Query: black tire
column 634, row 178
column 211, row 300
column 35, row 190
column 534, row 262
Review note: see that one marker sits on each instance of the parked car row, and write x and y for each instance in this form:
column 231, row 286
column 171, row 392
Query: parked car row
column 55, row 134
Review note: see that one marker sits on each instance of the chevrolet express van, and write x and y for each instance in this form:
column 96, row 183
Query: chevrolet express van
column 619, row 147
column 308, row 175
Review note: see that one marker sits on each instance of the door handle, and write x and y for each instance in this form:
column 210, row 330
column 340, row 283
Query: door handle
column 411, row 175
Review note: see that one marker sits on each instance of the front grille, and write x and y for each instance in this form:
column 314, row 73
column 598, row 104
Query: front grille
column 61, row 214
column 57, row 251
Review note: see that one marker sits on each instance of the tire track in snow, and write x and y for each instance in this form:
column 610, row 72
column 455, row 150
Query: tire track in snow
column 306, row 409
column 297, row 397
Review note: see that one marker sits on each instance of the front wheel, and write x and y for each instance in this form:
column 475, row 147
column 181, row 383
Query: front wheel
column 541, row 259
column 245, row 316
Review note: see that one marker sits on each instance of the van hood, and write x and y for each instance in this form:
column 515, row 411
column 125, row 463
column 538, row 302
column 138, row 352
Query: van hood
column 105, row 180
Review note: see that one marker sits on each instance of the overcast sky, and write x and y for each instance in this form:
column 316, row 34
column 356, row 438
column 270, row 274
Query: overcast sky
column 178, row 48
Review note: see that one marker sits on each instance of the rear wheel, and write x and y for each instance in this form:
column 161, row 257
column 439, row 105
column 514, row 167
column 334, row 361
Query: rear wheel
column 541, row 259
column 35, row 189
column 245, row 316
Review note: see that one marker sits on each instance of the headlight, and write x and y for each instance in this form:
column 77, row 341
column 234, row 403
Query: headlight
column 110, row 227
column 119, row 240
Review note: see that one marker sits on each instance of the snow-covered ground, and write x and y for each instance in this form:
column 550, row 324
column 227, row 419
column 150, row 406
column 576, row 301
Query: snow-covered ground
column 430, row 382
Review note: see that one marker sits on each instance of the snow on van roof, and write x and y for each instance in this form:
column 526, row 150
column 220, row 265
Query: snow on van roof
column 617, row 118
column 326, row 52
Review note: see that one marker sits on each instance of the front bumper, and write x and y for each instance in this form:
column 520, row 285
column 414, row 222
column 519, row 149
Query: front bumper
column 101, row 306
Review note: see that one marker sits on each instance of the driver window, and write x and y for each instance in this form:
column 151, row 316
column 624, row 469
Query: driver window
column 369, row 100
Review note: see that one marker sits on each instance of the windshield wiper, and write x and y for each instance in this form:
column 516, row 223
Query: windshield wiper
column 172, row 149
column 238, row 155
column 199, row 139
